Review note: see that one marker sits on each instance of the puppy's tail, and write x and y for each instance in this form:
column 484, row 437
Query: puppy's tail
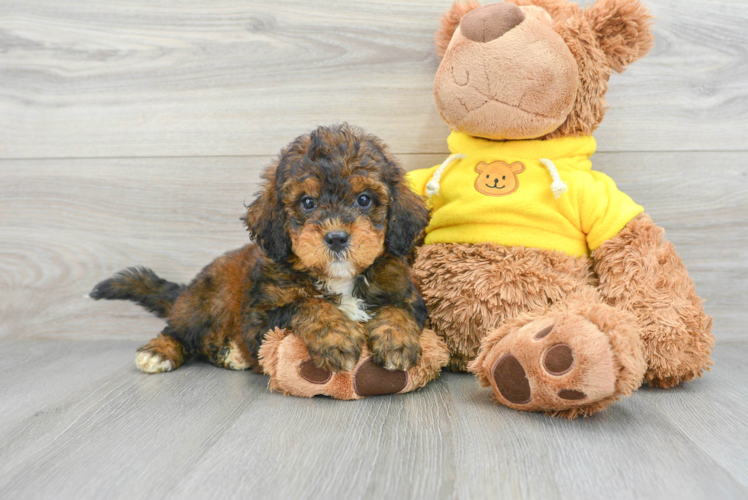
column 140, row 285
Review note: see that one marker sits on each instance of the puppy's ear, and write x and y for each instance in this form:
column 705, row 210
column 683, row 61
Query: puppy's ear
column 407, row 215
column 266, row 220
column 623, row 29
column 449, row 22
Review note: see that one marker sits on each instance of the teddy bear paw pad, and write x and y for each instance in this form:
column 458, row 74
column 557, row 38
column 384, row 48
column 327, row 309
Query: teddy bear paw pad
column 513, row 384
column 558, row 360
column 314, row 374
column 511, row 380
column 571, row 394
column 373, row 380
column 552, row 364
column 286, row 360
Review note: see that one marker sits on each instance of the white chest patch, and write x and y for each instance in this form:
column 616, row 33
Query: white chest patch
column 353, row 307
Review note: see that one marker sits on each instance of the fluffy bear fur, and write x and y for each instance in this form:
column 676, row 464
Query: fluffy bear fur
column 547, row 331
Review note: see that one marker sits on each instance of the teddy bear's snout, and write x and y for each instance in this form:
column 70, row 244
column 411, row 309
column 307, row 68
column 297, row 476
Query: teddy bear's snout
column 490, row 22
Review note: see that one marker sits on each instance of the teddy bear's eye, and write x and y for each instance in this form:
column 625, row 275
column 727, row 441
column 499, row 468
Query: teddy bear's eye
column 503, row 177
column 487, row 176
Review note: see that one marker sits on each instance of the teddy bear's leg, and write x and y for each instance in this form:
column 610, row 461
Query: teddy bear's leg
column 641, row 272
column 474, row 289
column 574, row 359
column 285, row 359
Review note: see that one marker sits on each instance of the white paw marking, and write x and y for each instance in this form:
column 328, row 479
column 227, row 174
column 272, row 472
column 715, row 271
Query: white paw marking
column 149, row 362
column 234, row 360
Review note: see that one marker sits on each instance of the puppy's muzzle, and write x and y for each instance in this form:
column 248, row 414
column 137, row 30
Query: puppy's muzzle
column 337, row 241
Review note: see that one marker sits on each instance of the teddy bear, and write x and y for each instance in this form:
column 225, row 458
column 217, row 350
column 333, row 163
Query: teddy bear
column 544, row 280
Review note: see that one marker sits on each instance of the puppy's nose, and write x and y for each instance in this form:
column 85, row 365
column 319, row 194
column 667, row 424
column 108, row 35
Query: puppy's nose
column 337, row 240
column 490, row 22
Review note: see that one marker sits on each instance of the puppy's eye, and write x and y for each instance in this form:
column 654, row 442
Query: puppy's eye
column 364, row 201
column 308, row 203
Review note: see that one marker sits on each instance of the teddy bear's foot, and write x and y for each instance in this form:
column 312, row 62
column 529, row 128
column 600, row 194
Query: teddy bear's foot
column 284, row 357
column 566, row 365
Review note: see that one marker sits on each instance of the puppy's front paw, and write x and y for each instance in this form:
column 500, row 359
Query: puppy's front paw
column 394, row 349
column 338, row 349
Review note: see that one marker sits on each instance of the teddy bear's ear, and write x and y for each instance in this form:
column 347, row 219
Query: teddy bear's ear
column 623, row 28
column 450, row 21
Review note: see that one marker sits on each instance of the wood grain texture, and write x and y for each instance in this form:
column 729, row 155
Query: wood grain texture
column 629, row 452
column 79, row 363
column 203, row 432
column 88, row 442
column 715, row 407
column 84, row 78
column 67, row 224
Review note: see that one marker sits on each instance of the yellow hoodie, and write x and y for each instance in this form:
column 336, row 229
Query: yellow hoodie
column 501, row 192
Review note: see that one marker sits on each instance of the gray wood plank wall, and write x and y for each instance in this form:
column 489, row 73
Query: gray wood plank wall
column 133, row 132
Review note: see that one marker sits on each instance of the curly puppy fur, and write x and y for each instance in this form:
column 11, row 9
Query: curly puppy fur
column 333, row 225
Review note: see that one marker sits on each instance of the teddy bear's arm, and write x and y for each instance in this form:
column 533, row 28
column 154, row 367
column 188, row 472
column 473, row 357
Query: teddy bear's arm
column 640, row 271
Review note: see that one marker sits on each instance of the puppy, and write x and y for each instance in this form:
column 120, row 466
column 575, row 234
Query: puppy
column 332, row 228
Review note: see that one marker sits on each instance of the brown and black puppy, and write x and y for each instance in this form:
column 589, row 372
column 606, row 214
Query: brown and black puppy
column 332, row 227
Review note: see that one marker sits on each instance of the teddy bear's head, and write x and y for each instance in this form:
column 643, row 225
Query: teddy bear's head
column 527, row 69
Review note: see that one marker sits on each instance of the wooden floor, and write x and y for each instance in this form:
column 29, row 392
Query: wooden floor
column 78, row 420
column 134, row 133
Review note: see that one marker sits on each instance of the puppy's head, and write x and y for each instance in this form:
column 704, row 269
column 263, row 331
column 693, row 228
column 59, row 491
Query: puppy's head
column 333, row 202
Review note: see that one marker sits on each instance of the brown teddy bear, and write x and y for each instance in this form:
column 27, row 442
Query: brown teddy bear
column 546, row 281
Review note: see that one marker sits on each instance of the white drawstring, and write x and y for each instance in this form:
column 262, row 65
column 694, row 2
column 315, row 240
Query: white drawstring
column 558, row 187
column 432, row 188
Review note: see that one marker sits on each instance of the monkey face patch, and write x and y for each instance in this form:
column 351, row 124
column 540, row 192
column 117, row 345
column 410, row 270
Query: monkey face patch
column 498, row 178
